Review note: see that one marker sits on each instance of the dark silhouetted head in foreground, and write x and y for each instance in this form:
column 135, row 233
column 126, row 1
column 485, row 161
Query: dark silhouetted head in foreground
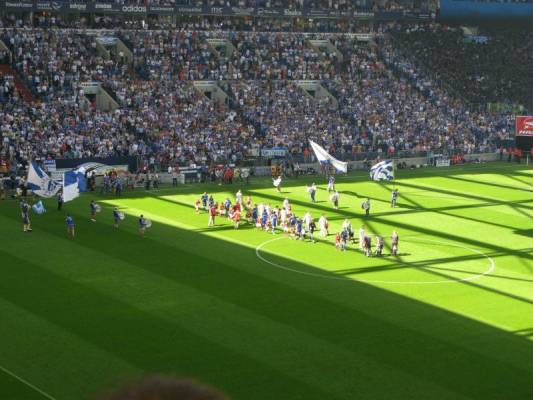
column 165, row 388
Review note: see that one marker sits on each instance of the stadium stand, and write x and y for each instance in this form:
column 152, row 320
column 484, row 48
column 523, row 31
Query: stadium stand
column 200, row 96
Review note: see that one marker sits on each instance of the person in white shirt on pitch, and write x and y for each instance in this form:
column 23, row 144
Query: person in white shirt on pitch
column 238, row 197
column 286, row 205
column 283, row 216
column 335, row 200
column 323, row 226
column 307, row 219
column 362, row 235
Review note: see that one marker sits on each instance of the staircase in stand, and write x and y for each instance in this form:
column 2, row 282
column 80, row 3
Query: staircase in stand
column 20, row 86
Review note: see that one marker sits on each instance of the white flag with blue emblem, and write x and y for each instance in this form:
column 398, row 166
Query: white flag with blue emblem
column 382, row 171
column 38, row 208
column 324, row 157
column 40, row 183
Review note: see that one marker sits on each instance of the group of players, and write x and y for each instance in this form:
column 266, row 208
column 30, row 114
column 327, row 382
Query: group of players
column 274, row 219
column 118, row 216
column 69, row 220
column 263, row 216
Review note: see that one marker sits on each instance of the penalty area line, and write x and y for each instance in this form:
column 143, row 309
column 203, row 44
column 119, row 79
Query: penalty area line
column 28, row 384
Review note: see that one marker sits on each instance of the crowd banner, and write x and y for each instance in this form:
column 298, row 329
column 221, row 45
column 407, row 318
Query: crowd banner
column 49, row 165
column 274, row 152
column 442, row 162
column 74, row 163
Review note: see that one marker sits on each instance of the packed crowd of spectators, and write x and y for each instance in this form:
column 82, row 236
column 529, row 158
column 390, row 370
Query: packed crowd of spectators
column 493, row 66
column 377, row 100
column 54, row 62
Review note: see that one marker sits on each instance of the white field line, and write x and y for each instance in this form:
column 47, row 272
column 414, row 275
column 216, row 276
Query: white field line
column 25, row 382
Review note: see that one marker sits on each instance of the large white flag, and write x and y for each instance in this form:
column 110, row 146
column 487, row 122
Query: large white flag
column 71, row 188
column 325, row 158
column 40, row 183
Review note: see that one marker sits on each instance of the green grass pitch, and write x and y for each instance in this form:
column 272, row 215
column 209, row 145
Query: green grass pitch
column 265, row 317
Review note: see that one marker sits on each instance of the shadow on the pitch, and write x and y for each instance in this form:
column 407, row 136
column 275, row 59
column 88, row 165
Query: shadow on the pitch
column 462, row 194
column 524, row 232
column 495, row 276
column 520, row 180
column 493, row 184
column 374, row 327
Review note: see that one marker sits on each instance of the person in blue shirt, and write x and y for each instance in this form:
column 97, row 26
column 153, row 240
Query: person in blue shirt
column 142, row 225
column 70, row 226
column 264, row 219
column 204, row 200
column 299, row 229
column 118, row 187
column 292, row 225
column 255, row 214
column 211, row 201
column 274, row 222
column 227, row 206
column 116, row 217
column 344, row 238
column 92, row 206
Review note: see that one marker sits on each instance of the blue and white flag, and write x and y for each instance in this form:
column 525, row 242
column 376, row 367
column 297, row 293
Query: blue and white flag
column 325, row 158
column 382, row 171
column 71, row 188
column 40, row 183
column 38, row 208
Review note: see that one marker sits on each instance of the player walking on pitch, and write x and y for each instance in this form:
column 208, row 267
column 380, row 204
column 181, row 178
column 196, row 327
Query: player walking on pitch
column 366, row 206
column 212, row 214
column 394, row 243
column 362, row 235
column 335, row 200
column 394, row 198
column 70, row 227
column 25, row 212
column 331, row 183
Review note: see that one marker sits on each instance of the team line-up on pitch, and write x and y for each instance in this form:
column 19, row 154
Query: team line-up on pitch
column 275, row 219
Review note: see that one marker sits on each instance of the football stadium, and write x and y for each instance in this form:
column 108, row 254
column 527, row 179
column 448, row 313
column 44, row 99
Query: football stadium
column 266, row 199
